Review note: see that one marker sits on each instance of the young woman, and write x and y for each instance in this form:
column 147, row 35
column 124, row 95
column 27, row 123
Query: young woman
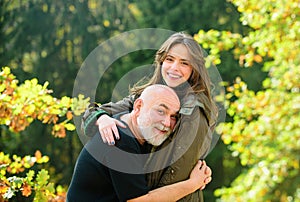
column 179, row 63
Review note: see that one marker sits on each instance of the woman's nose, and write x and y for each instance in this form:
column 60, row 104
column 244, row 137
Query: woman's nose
column 175, row 65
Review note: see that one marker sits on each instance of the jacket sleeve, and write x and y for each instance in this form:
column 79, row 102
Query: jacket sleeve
column 88, row 122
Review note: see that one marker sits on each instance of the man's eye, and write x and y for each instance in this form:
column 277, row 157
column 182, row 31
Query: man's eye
column 160, row 111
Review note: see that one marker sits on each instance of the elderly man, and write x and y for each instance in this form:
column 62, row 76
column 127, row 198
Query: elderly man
column 105, row 173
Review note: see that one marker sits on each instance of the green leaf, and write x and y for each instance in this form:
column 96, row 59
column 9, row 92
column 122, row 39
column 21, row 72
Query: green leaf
column 70, row 126
column 42, row 177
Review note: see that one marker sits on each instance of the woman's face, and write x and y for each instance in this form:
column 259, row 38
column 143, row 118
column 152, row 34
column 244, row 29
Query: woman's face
column 176, row 67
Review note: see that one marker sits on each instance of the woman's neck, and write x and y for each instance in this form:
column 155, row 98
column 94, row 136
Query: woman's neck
column 181, row 90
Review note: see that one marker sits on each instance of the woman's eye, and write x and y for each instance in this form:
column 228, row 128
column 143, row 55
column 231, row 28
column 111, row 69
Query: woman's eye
column 185, row 63
column 169, row 59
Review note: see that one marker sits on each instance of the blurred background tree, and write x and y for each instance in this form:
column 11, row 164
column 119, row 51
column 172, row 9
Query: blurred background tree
column 264, row 130
column 49, row 40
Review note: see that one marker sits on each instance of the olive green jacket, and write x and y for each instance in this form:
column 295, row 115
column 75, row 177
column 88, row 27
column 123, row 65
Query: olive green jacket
column 190, row 141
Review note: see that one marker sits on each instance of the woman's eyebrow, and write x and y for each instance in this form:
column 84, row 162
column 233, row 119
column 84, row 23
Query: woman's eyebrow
column 183, row 59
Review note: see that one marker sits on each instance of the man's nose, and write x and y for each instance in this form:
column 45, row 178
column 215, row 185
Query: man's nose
column 167, row 122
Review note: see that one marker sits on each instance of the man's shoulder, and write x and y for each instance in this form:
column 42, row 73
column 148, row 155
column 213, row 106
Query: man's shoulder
column 127, row 141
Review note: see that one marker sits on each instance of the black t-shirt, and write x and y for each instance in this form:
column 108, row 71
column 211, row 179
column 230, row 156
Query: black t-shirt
column 109, row 173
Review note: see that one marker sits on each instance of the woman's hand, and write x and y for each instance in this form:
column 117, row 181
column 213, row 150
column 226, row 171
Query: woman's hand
column 208, row 178
column 108, row 128
column 201, row 174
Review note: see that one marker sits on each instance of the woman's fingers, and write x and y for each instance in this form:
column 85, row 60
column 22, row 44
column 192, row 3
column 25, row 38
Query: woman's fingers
column 109, row 136
column 115, row 129
column 119, row 123
column 199, row 165
column 203, row 165
column 108, row 129
column 102, row 134
column 207, row 180
column 208, row 171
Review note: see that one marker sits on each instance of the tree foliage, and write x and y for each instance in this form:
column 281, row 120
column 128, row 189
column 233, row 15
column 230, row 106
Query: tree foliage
column 20, row 105
column 264, row 132
column 32, row 183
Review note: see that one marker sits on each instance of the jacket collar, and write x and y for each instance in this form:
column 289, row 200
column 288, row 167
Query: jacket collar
column 200, row 100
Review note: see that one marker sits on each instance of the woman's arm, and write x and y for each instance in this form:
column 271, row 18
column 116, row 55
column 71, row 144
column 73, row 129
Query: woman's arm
column 126, row 104
column 88, row 124
column 176, row 191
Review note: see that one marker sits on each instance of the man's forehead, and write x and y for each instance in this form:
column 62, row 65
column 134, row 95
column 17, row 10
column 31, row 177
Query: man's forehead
column 161, row 96
column 170, row 106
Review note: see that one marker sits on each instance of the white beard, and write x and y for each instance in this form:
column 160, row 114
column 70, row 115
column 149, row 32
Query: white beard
column 151, row 132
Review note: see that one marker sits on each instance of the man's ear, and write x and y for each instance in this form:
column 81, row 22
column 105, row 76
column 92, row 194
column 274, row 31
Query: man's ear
column 138, row 104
